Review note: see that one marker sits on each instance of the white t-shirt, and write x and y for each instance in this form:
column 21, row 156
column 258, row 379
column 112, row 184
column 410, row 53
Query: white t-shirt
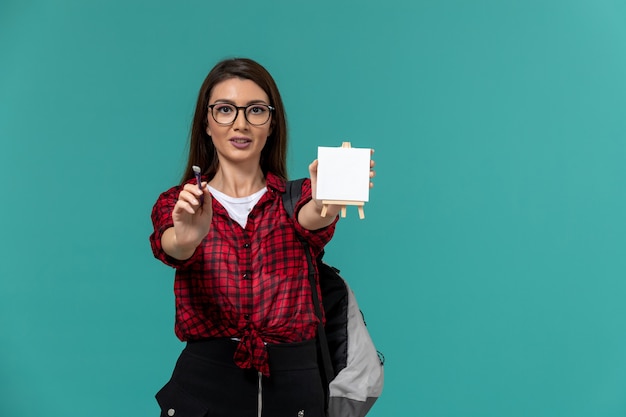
column 238, row 208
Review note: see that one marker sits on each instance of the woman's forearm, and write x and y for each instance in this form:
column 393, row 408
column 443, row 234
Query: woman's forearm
column 310, row 215
column 173, row 249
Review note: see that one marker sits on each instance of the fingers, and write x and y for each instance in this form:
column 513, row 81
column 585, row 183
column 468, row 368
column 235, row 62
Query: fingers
column 372, row 172
column 189, row 198
column 186, row 203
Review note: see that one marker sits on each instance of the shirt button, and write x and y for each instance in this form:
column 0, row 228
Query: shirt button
column 246, row 245
column 245, row 276
column 246, row 316
column 171, row 412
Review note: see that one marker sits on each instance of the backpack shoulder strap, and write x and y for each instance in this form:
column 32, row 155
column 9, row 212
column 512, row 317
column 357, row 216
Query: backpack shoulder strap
column 293, row 191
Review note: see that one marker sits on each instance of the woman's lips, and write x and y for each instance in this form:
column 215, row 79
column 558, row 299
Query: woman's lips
column 240, row 143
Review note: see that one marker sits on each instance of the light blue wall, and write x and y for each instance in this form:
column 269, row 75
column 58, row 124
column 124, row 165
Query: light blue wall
column 491, row 264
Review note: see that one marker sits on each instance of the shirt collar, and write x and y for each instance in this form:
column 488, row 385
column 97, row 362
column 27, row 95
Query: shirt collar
column 275, row 183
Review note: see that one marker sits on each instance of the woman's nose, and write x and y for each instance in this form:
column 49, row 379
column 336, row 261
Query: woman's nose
column 240, row 119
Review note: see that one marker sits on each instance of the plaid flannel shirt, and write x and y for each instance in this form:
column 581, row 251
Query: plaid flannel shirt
column 250, row 284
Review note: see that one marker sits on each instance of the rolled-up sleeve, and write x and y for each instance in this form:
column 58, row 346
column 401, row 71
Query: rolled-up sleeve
column 317, row 239
column 161, row 221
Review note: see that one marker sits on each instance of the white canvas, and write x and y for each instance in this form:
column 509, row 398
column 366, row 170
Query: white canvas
column 343, row 174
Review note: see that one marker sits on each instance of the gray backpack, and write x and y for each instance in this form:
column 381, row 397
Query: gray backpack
column 351, row 366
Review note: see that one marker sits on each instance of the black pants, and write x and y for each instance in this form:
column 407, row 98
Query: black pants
column 207, row 383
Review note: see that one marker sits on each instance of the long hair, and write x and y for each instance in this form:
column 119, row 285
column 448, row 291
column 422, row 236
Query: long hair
column 201, row 149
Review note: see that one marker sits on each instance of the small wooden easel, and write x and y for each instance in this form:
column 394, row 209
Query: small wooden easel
column 344, row 203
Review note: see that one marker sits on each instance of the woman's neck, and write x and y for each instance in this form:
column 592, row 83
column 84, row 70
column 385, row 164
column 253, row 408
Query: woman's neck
column 237, row 182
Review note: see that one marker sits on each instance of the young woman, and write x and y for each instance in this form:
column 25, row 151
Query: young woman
column 243, row 301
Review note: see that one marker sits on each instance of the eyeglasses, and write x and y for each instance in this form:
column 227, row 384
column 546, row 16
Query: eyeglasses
column 255, row 114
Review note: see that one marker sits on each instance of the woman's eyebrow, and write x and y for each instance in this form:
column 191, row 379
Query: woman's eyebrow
column 227, row 101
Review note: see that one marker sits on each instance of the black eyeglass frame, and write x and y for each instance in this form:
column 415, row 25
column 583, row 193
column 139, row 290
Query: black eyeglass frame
column 245, row 113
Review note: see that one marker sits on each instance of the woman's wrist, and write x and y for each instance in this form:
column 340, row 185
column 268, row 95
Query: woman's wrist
column 173, row 248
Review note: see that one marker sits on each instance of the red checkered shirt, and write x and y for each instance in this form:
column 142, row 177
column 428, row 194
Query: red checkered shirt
column 250, row 284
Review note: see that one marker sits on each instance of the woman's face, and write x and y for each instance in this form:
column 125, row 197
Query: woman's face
column 240, row 141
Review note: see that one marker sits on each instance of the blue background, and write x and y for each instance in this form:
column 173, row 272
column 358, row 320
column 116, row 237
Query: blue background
column 490, row 265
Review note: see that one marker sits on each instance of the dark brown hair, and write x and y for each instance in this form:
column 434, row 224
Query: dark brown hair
column 201, row 149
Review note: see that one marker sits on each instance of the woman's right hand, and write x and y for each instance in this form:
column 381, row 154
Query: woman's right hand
column 192, row 222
